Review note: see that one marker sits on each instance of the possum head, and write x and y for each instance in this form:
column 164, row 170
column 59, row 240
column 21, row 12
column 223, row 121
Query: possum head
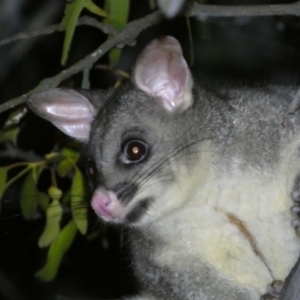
column 133, row 139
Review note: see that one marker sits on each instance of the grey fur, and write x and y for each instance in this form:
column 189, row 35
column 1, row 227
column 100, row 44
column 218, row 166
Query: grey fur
column 244, row 122
column 229, row 142
column 291, row 289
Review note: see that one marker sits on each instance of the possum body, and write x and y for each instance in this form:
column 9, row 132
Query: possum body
column 202, row 177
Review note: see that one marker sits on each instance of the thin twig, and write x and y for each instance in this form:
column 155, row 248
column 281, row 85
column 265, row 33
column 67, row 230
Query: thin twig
column 206, row 10
column 129, row 33
column 15, row 153
column 85, row 20
column 195, row 9
column 133, row 29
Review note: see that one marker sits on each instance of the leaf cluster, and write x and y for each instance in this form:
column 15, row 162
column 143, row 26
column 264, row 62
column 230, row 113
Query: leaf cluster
column 58, row 235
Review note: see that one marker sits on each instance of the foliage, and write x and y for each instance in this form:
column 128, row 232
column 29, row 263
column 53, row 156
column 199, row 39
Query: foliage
column 57, row 235
column 69, row 22
column 53, row 204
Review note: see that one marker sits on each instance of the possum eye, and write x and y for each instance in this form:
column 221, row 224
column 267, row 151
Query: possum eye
column 135, row 151
column 91, row 169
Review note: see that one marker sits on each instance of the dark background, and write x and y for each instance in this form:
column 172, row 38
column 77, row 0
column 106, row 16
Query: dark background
column 240, row 50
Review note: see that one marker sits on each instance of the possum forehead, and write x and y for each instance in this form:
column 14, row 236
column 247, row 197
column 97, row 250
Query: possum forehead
column 132, row 111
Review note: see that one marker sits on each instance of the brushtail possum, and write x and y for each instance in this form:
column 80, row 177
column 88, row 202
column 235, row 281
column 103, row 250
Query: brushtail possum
column 201, row 177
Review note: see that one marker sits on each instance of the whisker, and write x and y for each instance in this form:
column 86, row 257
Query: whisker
column 171, row 156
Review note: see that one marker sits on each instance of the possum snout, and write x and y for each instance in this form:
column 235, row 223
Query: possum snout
column 107, row 205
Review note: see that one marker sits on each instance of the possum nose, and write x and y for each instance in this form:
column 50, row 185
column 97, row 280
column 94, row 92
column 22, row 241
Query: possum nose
column 106, row 204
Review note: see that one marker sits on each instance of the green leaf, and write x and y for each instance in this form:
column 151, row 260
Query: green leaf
column 118, row 12
column 10, row 128
column 3, row 177
column 10, row 135
column 64, row 167
column 15, row 117
column 72, row 12
column 56, row 252
column 28, row 202
column 65, row 199
column 78, row 204
column 42, row 200
column 114, row 56
column 29, row 196
column 52, row 157
column 93, row 8
column 52, row 228
column 54, row 193
column 70, row 153
column 68, row 162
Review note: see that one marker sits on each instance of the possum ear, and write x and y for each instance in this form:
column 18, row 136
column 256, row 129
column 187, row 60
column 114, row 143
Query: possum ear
column 162, row 72
column 68, row 110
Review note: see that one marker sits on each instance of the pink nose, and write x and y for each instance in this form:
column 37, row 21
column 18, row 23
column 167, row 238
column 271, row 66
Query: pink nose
column 106, row 204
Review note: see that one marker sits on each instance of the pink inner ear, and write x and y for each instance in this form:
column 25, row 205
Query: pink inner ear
column 68, row 110
column 162, row 72
column 74, row 121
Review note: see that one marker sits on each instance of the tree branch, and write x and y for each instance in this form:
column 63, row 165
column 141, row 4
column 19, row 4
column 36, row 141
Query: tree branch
column 85, row 20
column 206, row 10
column 15, row 153
column 129, row 33
column 133, row 29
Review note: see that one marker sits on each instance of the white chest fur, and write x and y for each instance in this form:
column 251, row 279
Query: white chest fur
column 237, row 222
